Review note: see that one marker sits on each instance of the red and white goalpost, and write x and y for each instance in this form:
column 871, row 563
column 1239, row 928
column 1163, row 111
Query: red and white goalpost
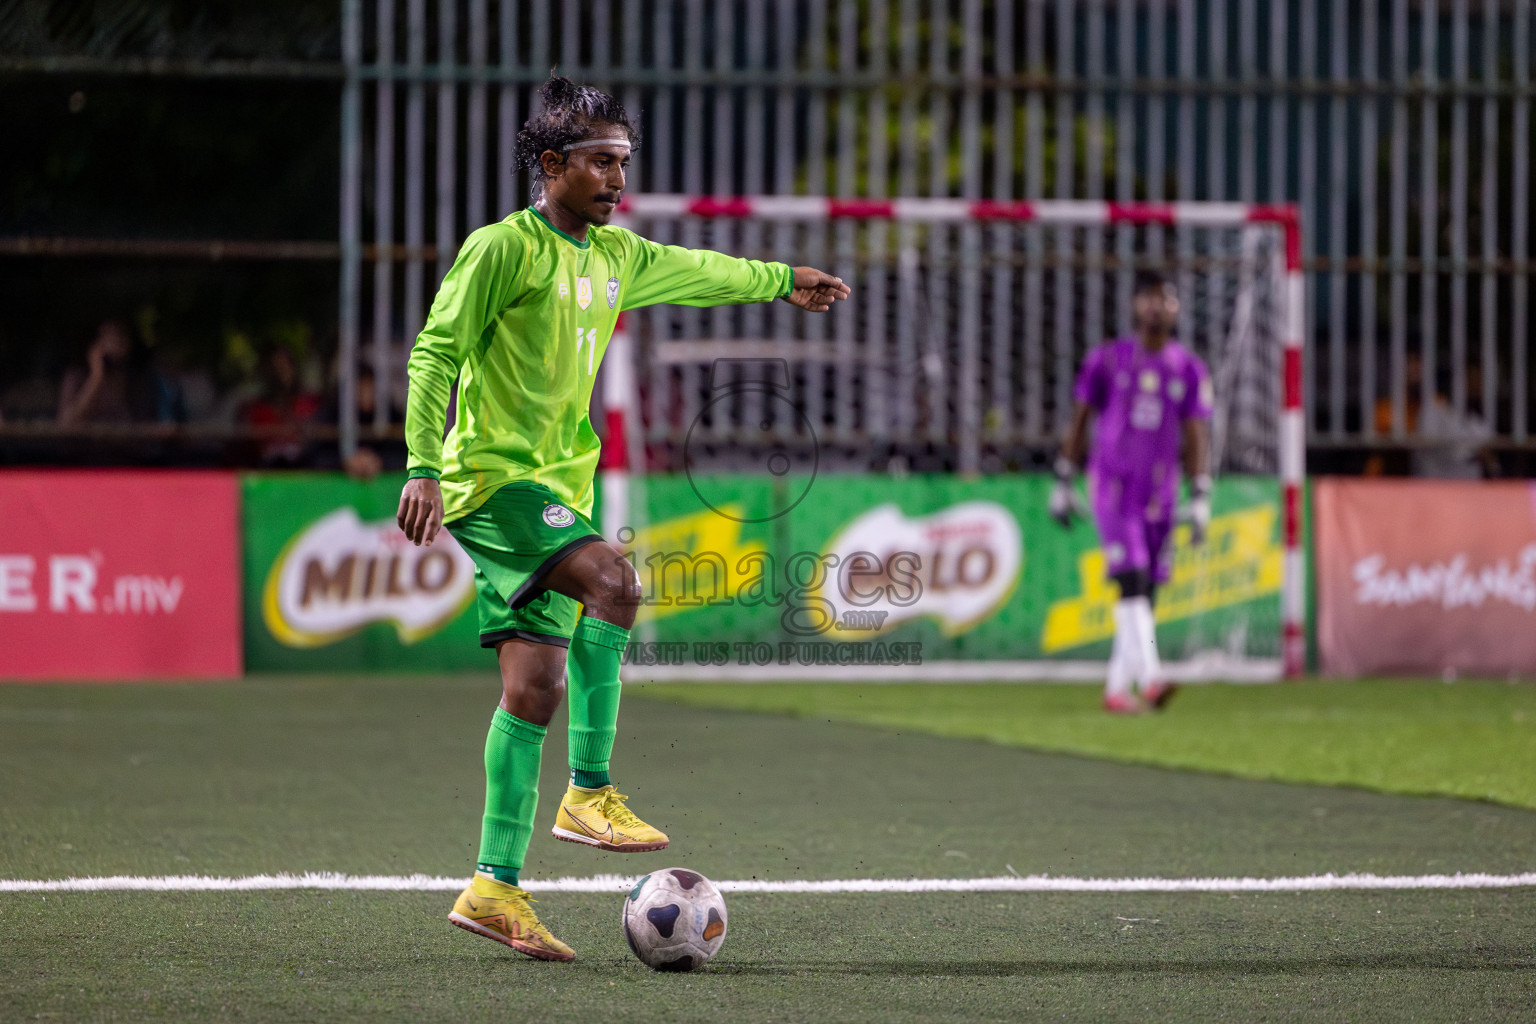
column 623, row 447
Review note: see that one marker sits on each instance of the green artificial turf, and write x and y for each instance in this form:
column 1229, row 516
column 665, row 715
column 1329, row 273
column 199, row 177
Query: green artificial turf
column 383, row 775
column 308, row 956
column 1466, row 739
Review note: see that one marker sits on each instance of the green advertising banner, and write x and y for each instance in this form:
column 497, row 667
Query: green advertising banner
column 938, row 566
column 332, row 585
column 743, row 569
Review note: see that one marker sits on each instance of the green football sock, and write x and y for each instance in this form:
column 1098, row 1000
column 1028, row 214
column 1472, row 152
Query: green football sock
column 499, row 872
column 590, row 780
column 593, row 666
column 512, row 752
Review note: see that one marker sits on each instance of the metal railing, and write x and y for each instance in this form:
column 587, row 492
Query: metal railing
column 1400, row 128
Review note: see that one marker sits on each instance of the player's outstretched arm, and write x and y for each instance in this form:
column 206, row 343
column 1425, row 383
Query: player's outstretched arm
column 816, row 290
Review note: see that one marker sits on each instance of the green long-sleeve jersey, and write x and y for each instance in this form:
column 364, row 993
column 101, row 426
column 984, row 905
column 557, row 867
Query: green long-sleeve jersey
column 522, row 320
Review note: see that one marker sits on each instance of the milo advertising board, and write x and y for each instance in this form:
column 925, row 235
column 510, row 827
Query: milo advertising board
column 871, row 571
column 332, row 584
column 753, row 570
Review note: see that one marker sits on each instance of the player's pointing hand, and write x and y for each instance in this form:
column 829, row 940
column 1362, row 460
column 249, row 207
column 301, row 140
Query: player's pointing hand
column 816, row 290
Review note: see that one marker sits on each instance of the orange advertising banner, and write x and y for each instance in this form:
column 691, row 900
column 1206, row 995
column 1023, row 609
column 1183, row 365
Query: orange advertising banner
column 1426, row 577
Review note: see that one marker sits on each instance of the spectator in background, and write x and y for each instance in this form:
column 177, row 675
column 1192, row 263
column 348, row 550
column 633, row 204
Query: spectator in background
column 1413, row 379
column 1452, row 445
column 1413, row 391
column 280, row 414
column 118, row 384
column 374, row 456
column 1462, row 451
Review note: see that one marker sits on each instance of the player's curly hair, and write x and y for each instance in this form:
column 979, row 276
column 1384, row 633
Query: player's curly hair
column 571, row 114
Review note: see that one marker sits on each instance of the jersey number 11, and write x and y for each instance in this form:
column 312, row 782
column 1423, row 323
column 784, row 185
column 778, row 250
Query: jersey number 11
column 590, row 337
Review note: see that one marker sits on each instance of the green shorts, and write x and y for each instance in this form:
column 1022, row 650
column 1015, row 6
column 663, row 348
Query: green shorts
column 521, row 532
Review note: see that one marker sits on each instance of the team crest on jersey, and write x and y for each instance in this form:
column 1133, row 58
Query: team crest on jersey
column 558, row 515
column 1176, row 389
column 1149, row 380
column 613, row 292
column 583, row 292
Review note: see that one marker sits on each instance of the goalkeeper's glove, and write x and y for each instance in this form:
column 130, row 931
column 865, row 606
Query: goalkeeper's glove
column 1064, row 500
column 1198, row 513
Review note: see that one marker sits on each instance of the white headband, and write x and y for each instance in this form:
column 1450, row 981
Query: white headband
column 589, row 143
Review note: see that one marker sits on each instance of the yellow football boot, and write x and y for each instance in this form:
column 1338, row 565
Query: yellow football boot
column 500, row 911
column 598, row 817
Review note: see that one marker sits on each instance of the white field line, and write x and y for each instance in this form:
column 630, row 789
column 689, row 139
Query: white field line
column 620, row 883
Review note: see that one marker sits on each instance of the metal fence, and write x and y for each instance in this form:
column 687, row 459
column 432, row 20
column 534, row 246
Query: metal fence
column 966, row 362
column 1402, row 130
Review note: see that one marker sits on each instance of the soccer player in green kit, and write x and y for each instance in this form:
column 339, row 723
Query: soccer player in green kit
column 522, row 320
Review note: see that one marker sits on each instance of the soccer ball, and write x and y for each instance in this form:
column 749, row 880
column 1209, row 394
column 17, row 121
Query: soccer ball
column 674, row 919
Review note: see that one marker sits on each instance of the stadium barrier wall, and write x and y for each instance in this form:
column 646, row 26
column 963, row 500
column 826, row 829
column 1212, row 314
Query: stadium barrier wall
column 331, row 585
column 119, row 575
column 314, row 576
column 1426, row 577
column 751, row 576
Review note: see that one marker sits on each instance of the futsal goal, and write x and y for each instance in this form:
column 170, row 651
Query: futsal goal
column 944, row 385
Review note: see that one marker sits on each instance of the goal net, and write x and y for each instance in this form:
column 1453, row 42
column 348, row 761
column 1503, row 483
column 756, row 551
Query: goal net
column 927, row 410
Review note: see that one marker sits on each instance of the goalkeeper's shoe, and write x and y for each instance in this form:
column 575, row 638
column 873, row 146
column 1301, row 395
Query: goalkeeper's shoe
column 598, row 817
column 500, row 911
column 1124, row 704
column 1159, row 693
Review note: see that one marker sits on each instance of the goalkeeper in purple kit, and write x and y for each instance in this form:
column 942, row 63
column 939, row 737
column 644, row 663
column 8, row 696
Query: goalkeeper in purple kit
column 1147, row 400
column 518, row 331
